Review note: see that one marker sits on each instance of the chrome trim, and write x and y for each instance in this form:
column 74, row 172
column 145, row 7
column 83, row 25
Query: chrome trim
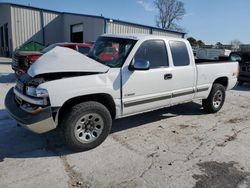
column 201, row 89
column 147, row 100
column 29, row 99
column 182, row 93
column 173, row 95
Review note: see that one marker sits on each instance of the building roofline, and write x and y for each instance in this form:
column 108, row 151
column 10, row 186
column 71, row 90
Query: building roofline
column 87, row 15
column 93, row 16
column 30, row 7
column 141, row 25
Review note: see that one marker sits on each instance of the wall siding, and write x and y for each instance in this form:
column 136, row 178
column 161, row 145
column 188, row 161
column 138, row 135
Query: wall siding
column 26, row 24
column 53, row 25
column 92, row 27
column 166, row 33
column 121, row 28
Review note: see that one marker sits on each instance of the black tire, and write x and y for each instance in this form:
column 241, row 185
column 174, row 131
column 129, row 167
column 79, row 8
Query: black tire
column 69, row 123
column 240, row 83
column 208, row 104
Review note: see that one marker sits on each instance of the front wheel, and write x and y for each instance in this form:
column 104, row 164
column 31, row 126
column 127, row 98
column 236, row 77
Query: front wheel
column 215, row 100
column 86, row 126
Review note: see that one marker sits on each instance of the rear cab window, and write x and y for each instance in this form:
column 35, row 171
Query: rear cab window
column 180, row 53
column 153, row 51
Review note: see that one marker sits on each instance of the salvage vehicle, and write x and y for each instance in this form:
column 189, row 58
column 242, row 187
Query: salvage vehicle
column 244, row 60
column 81, row 95
column 22, row 60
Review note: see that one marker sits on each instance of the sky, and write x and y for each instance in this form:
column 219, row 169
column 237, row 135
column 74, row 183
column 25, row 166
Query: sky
column 208, row 20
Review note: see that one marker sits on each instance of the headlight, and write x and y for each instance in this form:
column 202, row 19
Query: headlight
column 36, row 92
column 40, row 92
column 31, row 91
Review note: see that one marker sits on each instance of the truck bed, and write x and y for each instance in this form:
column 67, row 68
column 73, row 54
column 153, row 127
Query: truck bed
column 209, row 61
column 208, row 71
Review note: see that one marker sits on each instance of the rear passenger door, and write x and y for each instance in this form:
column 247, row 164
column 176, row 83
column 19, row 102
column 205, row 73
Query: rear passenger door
column 148, row 89
column 184, row 75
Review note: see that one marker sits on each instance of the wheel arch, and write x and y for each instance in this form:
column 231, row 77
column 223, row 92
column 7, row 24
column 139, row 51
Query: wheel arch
column 103, row 98
column 222, row 80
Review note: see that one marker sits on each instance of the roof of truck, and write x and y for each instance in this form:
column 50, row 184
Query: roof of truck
column 141, row 36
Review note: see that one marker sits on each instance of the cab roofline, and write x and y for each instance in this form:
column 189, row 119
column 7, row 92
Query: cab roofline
column 140, row 36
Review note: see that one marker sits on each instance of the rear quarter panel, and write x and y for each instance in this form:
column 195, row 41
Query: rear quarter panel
column 209, row 72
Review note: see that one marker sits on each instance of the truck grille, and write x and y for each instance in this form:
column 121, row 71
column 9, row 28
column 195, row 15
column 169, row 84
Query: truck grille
column 19, row 60
column 20, row 86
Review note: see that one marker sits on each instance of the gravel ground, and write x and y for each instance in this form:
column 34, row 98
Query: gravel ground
column 175, row 147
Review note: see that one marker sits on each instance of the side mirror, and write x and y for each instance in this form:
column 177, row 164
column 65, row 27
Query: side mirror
column 139, row 64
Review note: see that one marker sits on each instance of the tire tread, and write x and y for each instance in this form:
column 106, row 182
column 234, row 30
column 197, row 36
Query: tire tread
column 67, row 125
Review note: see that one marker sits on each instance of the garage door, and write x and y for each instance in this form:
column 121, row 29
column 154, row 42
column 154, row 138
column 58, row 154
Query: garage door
column 77, row 33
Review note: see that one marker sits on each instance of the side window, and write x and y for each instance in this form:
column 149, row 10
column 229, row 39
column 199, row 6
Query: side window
column 235, row 57
column 179, row 53
column 153, row 51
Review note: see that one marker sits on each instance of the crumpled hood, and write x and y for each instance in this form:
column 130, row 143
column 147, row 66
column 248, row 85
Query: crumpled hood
column 62, row 59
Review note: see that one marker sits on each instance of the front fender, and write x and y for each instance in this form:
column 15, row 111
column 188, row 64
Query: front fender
column 64, row 89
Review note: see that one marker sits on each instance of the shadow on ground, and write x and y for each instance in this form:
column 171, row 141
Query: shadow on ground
column 244, row 87
column 150, row 117
column 16, row 142
column 7, row 78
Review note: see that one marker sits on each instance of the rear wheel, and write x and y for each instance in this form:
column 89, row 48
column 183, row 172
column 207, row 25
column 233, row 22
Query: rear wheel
column 86, row 125
column 215, row 100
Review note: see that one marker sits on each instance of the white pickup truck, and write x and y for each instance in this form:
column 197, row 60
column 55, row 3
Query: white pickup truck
column 123, row 75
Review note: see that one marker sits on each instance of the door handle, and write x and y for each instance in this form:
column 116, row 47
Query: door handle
column 168, row 76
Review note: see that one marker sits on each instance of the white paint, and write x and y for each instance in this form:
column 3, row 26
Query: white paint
column 62, row 59
column 136, row 85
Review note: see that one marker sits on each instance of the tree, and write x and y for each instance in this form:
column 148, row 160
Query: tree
column 235, row 45
column 200, row 43
column 192, row 41
column 169, row 12
column 218, row 45
column 195, row 43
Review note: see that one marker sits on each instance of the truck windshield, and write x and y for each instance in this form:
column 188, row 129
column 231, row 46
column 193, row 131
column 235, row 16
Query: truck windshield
column 111, row 51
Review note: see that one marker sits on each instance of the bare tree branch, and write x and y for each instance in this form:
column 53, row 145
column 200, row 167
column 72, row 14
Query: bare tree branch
column 169, row 12
column 235, row 45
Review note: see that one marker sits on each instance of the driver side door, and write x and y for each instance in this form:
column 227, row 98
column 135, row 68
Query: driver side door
column 144, row 90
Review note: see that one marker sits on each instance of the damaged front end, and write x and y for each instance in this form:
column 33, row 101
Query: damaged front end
column 29, row 102
column 30, row 106
column 30, row 98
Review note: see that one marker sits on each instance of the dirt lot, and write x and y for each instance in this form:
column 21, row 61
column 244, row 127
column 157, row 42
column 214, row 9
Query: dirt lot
column 175, row 147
